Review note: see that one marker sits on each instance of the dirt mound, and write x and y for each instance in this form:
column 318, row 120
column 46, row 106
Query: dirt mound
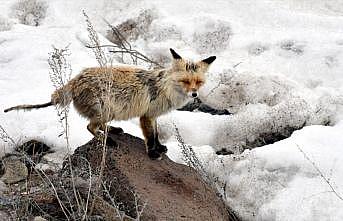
column 169, row 190
column 132, row 187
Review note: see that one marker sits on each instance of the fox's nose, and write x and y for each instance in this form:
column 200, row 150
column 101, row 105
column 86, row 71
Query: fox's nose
column 194, row 94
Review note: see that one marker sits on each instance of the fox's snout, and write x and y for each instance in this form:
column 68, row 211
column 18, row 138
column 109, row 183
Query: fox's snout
column 193, row 93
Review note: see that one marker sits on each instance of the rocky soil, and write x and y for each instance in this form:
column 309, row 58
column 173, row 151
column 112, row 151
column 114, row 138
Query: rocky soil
column 130, row 187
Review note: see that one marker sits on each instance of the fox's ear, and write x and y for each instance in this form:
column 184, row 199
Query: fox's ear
column 209, row 60
column 175, row 55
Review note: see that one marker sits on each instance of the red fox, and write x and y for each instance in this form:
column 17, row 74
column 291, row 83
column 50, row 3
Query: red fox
column 103, row 94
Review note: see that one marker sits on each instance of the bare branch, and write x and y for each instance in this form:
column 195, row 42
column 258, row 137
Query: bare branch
column 326, row 180
column 121, row 46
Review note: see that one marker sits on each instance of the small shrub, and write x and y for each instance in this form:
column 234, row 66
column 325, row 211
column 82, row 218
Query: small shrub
column 162, row 31
column 30, row 12
column 212, row 36
column 5, row 24
column 133, row 28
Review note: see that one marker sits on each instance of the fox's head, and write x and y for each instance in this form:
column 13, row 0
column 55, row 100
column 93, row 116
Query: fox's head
column 190, row 75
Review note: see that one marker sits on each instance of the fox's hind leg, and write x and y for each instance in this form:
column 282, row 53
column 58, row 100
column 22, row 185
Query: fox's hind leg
column 148, row 127
column 93, row 127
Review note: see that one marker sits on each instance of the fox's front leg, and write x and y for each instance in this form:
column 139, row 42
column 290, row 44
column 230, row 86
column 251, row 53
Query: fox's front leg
column 160, row 148
column 148, row 125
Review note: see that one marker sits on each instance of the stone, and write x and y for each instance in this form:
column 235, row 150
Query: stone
column 39, row 218
column 3, row 187
column 15, row 170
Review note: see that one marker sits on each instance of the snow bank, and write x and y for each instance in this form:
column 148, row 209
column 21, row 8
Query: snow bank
column 266, row 109
column 280, row 183
column 278, row 68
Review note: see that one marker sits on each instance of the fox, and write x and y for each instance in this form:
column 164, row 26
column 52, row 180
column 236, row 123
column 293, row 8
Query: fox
column 104, row 94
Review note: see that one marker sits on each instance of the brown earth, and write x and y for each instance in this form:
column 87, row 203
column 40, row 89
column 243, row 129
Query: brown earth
column 133, row 187
column 171, row 191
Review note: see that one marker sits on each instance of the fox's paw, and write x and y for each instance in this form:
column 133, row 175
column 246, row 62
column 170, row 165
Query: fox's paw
column 115, row 130
column 154, row 154
column 161, row 149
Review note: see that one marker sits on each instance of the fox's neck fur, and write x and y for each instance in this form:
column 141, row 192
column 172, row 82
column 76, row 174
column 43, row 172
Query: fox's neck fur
column 171, row 95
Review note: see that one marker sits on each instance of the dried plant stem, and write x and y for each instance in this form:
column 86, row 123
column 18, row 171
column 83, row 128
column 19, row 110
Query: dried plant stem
column 326, row 180
column 103, row 62
column 122, row 46
column 60, row 75
column 5, row 137
column 94, row 39
column 191, row 158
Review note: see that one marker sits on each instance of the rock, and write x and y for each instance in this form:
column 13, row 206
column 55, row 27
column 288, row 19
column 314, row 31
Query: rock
column 167, row 189
column 5, row 201
column 2, row 168
column 3, row 187
column 45, row 167
column 15, row 169
column 7, row 208
column 131, row 185
column 34, row 151
column 39, row 218
column 33, row 147
column 197, row 104
column 4, row 216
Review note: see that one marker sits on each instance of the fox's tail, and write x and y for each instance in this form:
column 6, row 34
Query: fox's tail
column 61, row 98
column 28, row 107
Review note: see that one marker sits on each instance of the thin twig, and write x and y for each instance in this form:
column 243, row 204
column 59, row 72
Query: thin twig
column 122, row 44
column 4, row 136
column 320, row 173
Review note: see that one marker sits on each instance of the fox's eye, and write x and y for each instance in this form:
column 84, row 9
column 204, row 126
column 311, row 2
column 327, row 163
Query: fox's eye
column 199, row 82
column 185, row 81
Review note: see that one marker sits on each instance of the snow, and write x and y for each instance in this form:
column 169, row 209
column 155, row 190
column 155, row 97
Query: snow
column 279, row 66
column 277, row 182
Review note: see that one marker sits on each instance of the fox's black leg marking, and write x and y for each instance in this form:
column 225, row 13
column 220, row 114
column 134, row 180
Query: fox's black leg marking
column 159, row 147
column 148, row 125
column 153, row 152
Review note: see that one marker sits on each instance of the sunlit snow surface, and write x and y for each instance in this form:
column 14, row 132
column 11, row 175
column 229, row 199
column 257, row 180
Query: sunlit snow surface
column 279, row 63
